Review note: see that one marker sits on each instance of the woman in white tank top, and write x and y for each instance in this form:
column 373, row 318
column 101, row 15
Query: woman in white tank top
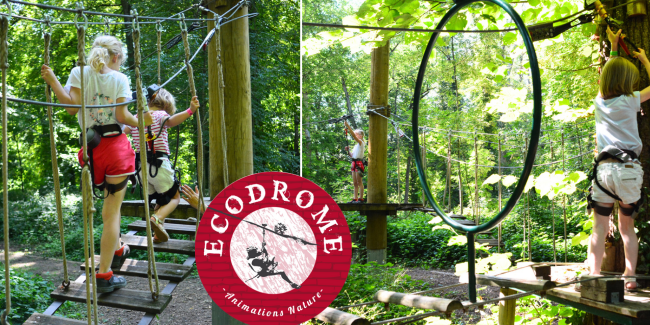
column 357, row 162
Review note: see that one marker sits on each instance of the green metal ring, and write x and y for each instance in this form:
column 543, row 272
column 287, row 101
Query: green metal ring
column 536, row 125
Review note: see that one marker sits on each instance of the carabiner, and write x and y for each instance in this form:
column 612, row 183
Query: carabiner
column 80, row 12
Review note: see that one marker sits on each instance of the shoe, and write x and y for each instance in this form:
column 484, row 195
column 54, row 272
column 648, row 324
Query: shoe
column 113, row 283
column 120, row 256
column 354, row 201
column 577, row 287
column 362, row 200
column 636, row 285
column 158, row 228
column 156, row 240
column 295, row 286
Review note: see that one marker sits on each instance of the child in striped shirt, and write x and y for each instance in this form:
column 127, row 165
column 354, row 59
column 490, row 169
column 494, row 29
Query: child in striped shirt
column 162, row 182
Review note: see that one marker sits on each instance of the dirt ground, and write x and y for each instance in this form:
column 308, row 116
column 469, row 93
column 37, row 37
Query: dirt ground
column 190, row 300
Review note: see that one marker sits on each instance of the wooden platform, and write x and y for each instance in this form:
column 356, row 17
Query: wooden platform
column 636, row 304
column 172, row 228
column 123, row 298
column 183, row 211
column 171, row 246
column 384, row 208
column 137, row 268
column 41, row 319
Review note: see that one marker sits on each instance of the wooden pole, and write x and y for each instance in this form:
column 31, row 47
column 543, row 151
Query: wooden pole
column 500, row 198
column 564, row 201
column 424, row 162
column 553, row 207
column 237, row 117
column 376, row 240
column 530, row 220
column 449, row 171
column 476, row 179
column 507, row 307
column 460, row 181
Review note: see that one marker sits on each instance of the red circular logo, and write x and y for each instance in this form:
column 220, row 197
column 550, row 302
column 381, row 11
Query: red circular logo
column 273, row 247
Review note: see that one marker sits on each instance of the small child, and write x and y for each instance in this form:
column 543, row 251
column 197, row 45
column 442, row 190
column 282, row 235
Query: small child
column 163, row 185
column 357, row 162
column 616, row 109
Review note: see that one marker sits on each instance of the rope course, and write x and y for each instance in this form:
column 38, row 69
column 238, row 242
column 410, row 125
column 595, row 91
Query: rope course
column 81, row 23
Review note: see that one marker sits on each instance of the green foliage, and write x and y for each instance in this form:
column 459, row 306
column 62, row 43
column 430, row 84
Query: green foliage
column 532, row 310
column 29, row 294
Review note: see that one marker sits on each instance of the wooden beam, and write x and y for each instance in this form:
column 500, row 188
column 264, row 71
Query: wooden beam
column 41, row 319
column 185, row 247
column 636, row 304
column 137, row 268
column 123, row 298
column 172, row 228
column 376, row 240
column 135, row 208
column 416, row 301
column 521, row 284
column 507, row 308
column 337, row 317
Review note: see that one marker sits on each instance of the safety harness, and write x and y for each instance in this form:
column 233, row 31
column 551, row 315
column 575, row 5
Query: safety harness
column 154, row 158
column 94, row 137
column 364, row 161
column 622, row 156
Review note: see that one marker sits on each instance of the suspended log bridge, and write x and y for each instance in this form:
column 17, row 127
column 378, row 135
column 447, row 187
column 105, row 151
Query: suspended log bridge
column 417, row 301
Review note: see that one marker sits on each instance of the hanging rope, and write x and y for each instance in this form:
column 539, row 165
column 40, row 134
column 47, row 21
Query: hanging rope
column 159, row 47
column 564, row 202
column 47, row 36
column 199, row 135
column 86, row 181
column 4, row 65
column 222, row 105
column 553, row 213
column 500, row 198
column 143, row 158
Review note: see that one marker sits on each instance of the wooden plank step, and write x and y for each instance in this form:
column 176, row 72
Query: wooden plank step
column 416, row 301
column 177, row 246
column 123, row 298
column 338, row 317
column 183, row 211
column 172, row 228
column 38, row 319
column 515, row 283
column 489, row 242
column 181, row 221
column 137, row 268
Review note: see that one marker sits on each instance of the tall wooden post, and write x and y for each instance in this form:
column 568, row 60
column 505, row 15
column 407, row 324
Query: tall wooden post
column 237, row 118
column 376, row 240
column 507, row 307
column 235, row 58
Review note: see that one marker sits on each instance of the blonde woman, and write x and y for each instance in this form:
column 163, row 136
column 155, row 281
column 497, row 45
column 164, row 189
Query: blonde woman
column 163, row 185
column 113, row 159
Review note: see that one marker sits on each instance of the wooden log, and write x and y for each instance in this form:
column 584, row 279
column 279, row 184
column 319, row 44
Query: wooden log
column 376, row 240
column 235, row 58
column 507, row 308
column 606, row 290
column 123, row 298
column 337, row 317
column 416, row 301
column 41, row 319
column 172, row 228
column 166, row 271
column 185, row 247
column 521, row 284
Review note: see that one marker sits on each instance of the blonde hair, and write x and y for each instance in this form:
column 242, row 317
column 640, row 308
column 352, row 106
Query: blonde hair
column 360, row 131
column 103, row 50
column 619, row 77
column 164, row 100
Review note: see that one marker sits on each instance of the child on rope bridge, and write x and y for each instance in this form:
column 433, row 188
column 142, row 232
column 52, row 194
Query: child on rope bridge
column 619, row 175
column 112, row 160
column 163, row 185
column 357, row 162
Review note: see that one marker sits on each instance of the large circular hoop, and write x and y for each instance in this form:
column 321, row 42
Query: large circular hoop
column 534, row 135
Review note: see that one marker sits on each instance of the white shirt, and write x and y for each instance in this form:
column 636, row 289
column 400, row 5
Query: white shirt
column 100, row 89
column 616, row 122
column 358, row 150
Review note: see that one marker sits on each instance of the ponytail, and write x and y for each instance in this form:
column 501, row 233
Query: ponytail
column 103, row 50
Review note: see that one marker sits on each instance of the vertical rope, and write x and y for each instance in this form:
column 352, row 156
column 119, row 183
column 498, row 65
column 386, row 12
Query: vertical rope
column 222, row 109
column 476, row 179
column 553, row 208
column 424, row 161
column 86, row 180
column 55, row 165
column 564, row 201
column 500, row 197
column 399, row 142
column 460, row 181
column 199, row 135
column 524, row 218
column 449, row 170
column 530, row 220
column 4, row 65
column 143, row 158
column 159, row 47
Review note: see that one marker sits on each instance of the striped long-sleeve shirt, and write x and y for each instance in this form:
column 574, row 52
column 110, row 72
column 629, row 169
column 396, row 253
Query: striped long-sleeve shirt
column 161, row 143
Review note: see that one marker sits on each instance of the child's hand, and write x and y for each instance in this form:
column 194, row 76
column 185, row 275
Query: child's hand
column 613, row 38
column 148, row 120
column 194, row 104
column 347, row 148
column 47, row 74
column 641, row 56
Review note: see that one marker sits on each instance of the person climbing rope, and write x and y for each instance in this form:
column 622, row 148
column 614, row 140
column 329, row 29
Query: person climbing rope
column 264, row 265
column 163, row 185
column 357, row 162
column 112, row 159
column 617, row 174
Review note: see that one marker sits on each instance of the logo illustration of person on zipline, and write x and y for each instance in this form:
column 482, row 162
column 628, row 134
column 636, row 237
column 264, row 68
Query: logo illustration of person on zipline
column 273, row 251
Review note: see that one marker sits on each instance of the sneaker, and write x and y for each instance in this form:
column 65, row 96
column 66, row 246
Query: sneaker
column 354, row 201
column 159, row 229
column 107, row 282
column 120, row 256
column 362, row 200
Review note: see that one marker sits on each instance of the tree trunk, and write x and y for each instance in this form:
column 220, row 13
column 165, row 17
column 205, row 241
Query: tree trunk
column 126, row 10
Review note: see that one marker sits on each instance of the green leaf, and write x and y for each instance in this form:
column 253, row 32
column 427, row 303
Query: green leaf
column 435, row 220
column 492, row 179
column 509, row 38
column 509, row 180
column 457, row 240
column 457, row 22
column 579, row 239
column 533, row 3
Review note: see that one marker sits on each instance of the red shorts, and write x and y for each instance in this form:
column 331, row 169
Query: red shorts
column 113, row 157
column 358, row 166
